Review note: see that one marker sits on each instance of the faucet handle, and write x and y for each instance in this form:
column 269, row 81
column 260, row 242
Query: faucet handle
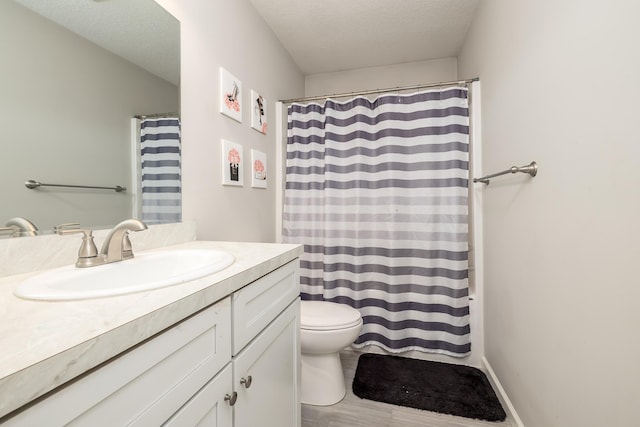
column 87, row 249
column 67, row 228
column 88, row 252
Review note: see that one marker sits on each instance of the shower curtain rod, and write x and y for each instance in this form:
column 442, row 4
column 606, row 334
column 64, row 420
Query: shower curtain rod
column 374, row 91
column 156, row 116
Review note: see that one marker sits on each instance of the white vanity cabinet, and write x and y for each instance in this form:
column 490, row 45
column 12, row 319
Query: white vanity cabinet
column 266, row 351
column 264, row 380
column 233, row 364
column 265, row 367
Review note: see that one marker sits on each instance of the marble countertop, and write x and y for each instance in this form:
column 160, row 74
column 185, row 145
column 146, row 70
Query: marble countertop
column 45, row 344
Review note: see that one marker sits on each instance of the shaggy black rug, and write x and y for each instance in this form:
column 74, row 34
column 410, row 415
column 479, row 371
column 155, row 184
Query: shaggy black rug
column 433, row 386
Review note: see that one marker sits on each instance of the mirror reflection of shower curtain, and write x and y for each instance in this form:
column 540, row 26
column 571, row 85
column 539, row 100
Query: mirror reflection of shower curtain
column 376, row 191
column 159, row 168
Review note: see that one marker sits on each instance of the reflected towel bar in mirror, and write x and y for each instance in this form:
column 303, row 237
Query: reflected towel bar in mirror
column 31, row 184
column 531, row 169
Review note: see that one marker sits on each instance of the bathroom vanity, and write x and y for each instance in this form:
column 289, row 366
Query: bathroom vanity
column 222, row 350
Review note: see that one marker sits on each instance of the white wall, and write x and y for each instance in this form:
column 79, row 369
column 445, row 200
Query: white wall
column 559, row 86
column 229, row 34
column 66, row 106
column 411, row 73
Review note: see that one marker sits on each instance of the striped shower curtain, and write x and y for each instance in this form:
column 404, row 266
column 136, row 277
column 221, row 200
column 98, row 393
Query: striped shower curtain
column 376, row 191
column 161, row 170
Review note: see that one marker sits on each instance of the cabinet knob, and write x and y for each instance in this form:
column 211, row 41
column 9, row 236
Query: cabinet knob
column 246, row 382
column 231, row 398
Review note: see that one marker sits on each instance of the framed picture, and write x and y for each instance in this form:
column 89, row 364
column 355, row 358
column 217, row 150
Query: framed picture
column 258, row 112
column 231, row 163
column 230, row 95
column 258, row 169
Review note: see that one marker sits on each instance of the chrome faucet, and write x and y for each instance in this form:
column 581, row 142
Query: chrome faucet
column 116, row 247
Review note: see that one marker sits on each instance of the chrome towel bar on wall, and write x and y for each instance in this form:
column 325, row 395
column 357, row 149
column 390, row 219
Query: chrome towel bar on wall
column 31, row 184
column 531, row 169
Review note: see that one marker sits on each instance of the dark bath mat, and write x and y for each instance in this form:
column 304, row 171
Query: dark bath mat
column 432, row 386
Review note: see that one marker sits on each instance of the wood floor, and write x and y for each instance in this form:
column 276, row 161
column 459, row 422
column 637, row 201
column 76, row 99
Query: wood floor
column 355, row 412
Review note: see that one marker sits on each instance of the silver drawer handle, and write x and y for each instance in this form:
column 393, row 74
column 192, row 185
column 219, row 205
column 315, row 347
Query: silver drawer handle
column 231, row 398
column 246, row 382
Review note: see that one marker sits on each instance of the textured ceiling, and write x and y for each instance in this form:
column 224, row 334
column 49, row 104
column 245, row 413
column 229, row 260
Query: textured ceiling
column 333, row 35
column 140, row 31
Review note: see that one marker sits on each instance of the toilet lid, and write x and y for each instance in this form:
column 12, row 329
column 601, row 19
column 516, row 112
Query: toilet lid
column 324, row 315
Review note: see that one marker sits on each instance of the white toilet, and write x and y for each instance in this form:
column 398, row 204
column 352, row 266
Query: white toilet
column 325, row 329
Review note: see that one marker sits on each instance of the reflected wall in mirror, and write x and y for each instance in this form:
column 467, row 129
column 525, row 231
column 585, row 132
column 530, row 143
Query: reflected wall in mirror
column 67, row 106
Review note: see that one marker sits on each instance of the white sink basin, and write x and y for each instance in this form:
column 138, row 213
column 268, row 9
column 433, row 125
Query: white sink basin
column 143, row 273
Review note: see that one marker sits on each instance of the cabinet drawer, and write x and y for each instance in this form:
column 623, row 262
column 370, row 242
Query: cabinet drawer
column 146, row 385
column 258, row 303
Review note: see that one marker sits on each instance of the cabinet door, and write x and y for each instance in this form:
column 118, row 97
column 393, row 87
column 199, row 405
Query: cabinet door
column 207, row 408
column 272, row 361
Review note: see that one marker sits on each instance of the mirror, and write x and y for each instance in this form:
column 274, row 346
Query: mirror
column 68, row 101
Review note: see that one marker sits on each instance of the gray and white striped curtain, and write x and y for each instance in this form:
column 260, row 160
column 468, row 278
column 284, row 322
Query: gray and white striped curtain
column 376, row 191
column 161, row 170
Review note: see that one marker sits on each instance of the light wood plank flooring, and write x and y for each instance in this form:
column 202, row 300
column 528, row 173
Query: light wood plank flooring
column 355, row 412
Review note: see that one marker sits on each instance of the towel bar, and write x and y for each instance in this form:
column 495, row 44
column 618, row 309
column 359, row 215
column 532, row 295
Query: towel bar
column 31, row 184
column 531, row 169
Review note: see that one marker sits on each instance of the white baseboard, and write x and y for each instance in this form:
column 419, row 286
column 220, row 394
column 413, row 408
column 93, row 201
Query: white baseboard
column 502, row 395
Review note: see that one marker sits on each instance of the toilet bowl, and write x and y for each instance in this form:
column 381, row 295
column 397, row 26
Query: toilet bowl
column 325, row 329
